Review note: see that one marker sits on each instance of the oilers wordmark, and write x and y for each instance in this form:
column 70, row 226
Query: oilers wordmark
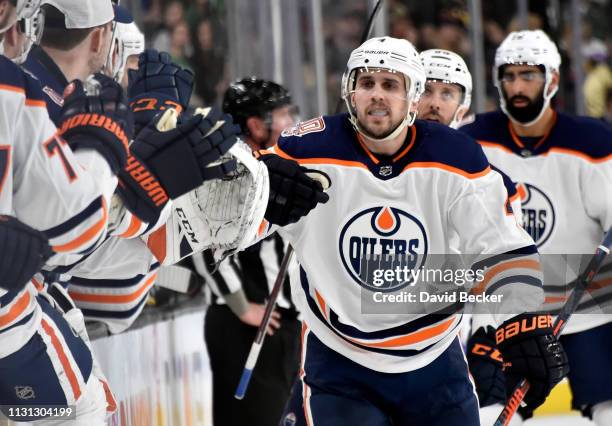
column 382, row 238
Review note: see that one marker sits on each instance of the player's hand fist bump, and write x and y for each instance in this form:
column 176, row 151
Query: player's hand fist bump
column 96, row 116
column 531, row 351
column 485, row 363
column 158, row 84
column 181, row 156
column 293, row 194
column 23, row 249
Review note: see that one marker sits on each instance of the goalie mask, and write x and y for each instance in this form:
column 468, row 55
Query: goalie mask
column 448, row 67
column 254, row 97
column 527, row 48
column 385, row 54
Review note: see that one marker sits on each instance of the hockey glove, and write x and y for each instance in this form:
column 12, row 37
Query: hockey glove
column 531, row 351
column 181, row 158
column 101, row 121
column 157, row 85
column 24, row 252
column 292, row 193
column 485, row 363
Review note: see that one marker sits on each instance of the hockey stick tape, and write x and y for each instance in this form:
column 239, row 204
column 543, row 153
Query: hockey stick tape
column 320, row 177
column 167, row 121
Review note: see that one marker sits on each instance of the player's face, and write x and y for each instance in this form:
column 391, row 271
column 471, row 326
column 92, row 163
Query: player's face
column 380, row 101
column 8, row 16
column 282, row 118
column 440, row 101
column 130, row 64
column 523, row 91
column 99, row 58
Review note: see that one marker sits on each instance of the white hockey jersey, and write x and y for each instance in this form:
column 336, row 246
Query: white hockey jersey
column 43, row 184
column 400, row 211
column 565, row 182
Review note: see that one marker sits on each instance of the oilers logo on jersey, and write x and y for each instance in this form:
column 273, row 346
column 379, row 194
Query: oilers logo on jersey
column 382, row 238
column 538, row 213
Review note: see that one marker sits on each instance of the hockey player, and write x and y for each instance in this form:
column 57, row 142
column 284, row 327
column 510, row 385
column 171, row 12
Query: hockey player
column 243, row 282
column 112, row 284
column 400, row 187
column 47, row 183
column 130, row 43
column 447, row 98
column 563, row 165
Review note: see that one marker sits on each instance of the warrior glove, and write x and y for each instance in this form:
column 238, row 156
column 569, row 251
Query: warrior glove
column 98, row 119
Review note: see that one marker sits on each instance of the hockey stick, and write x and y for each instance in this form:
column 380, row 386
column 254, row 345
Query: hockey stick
column 583, row 282
column 261, row 332
column 282, row 272
column 263, row 327
column 366, row 35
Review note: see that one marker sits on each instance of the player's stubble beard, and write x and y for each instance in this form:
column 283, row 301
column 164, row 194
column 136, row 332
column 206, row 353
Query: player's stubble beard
column 526, row 113
column 380, row 134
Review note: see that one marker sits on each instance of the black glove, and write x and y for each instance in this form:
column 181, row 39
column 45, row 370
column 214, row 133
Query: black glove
column 292, row 193
column 485, row 363
column 157, row 85
column 531, row 351
column 100, row 121
column 24, row 252
column 141, row 192
column 181, row 157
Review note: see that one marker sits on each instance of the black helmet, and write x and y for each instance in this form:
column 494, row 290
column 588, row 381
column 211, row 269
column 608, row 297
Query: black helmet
column 254, row 97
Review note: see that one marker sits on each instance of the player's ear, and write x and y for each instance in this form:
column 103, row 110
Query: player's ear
column 96, row 39
column 460, row 113
column 554, row 83
column 256, row 128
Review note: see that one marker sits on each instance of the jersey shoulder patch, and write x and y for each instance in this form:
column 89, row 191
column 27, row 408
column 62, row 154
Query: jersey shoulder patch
column 304, row 127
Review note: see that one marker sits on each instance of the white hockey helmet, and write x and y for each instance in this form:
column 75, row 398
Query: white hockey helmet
column 386, row 53
column 130, row 41
column 24, row 9
column 27, row 8
column 448, row 67
column 527, row 48
column 32, row 30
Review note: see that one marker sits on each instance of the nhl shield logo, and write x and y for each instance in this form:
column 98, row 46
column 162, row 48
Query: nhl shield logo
column 538, row 213
column 382, row 238
column 385, row 171
column 25, row 392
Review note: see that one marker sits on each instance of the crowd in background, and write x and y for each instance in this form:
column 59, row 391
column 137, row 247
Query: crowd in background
column 195, row 33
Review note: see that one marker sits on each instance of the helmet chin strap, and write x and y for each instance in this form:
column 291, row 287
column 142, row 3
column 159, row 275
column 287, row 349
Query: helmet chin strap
column 545, row 105
column 405, row 122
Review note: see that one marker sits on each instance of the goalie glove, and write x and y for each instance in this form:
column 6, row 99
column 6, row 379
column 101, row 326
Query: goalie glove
column 293, row 194
column 98, row 119
column 531, row 351
column 157, row 85
column 24, row 252
column 485, row 364
column 182, row 157
column 222, row 214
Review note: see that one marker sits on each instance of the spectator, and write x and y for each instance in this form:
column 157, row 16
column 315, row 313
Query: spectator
column 598, row 79
column 181, row 49
column 173, row 14
column 209, row 64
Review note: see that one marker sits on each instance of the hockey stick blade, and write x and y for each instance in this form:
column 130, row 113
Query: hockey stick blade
column 566, row 312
